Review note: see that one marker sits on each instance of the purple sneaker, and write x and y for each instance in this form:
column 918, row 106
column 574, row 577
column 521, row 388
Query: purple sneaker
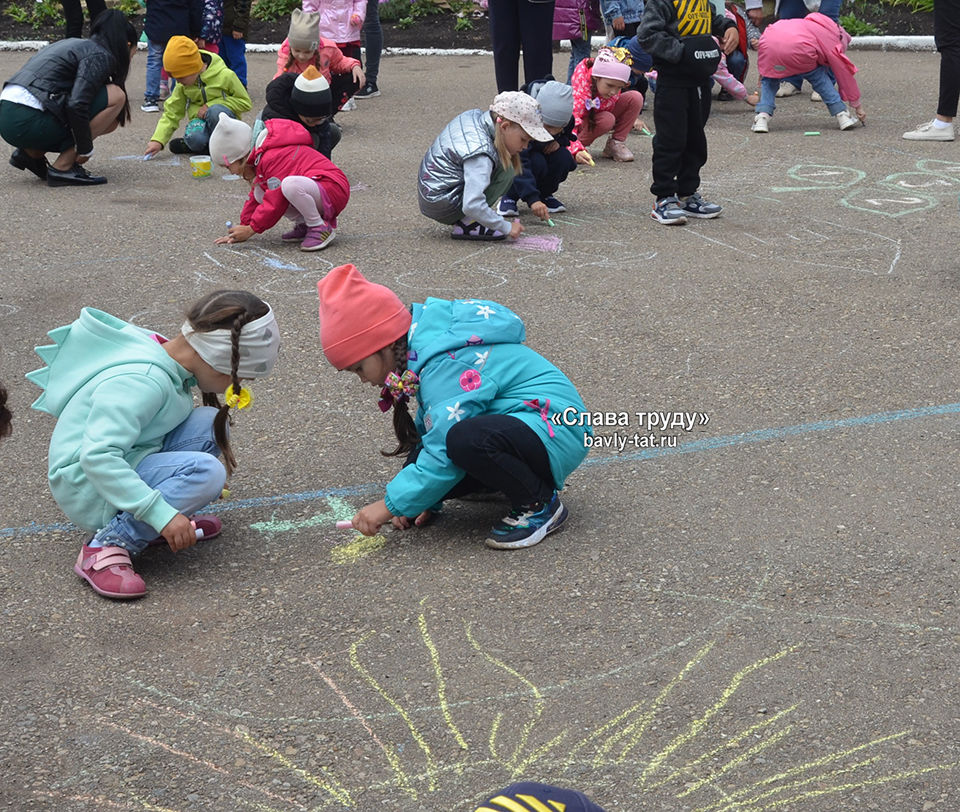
column 295, row 234
column 475, row 231
column 317, row 237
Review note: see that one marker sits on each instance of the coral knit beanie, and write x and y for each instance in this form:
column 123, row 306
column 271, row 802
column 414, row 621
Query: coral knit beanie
column 181, row 57
column 357, row 317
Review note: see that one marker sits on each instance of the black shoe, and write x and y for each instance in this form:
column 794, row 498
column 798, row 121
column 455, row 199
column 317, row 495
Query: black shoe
column 179, row 147
column 76, row 176
column 368, row 91
column 21, row 161
column 724, row 95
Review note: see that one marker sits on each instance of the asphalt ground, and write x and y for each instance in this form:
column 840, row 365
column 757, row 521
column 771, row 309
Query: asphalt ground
column 763, row 617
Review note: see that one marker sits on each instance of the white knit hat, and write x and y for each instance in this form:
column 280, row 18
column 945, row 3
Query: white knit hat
column 231, row 140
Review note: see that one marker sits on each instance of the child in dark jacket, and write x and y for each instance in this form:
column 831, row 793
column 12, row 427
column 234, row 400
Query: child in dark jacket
column 545, row 165
column 233, row 39
column 678, row 37
column 165, row 19
column 305, row 98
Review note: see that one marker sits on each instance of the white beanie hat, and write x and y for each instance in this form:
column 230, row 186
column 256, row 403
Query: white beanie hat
column 230, row 140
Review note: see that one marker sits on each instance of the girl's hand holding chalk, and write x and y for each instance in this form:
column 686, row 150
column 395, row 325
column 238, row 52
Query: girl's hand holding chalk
column 239, row 233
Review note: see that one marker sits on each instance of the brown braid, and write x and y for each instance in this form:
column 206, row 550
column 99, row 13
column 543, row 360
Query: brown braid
column 226, row 310
column 403, row 425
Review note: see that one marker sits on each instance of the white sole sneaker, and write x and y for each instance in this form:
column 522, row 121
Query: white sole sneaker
column 845, row 121
column 786, row 89
column 816, row 97
column 761, row 124
column 928, row 132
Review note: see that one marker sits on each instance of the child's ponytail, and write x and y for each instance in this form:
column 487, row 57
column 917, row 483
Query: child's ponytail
column 507, row 160
column 403, row 425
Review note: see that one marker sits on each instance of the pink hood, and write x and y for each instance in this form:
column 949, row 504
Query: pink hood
column 791, row 47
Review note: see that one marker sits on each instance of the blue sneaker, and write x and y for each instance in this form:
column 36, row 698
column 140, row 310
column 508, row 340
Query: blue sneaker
column 525, row 527
column 667, row 211
column 696, row 206
column 508, row 207
column 553, row 205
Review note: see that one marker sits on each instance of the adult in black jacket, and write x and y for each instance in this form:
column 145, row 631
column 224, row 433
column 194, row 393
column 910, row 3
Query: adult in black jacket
column 68, row 94
column 305, row 98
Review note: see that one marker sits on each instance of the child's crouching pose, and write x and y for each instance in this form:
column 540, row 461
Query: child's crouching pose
column 807, row 47
column 130, row 458
column 530, row 797
column 485, row 405
column 474, row 161
column 545, row 166
column 287, row 177
column 602, row 104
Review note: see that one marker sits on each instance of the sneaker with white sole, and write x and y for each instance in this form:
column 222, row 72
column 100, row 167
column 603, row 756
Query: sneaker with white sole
column 761, row 123
column 368, row 91
column 696, row 206
column 317, row 237
column 295, row 234
column 667, row 211
column 786, row 89
column 526, row 526
column 845, row 121
column 150, row 106
column 553, row 205
column 507, row 207
column 931, row 132
column 816, row 97
column 349, row 105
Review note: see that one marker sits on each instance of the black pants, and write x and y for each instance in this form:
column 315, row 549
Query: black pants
column 946, row 30
column 515, row 24
column 680, row 144
column 73, row 15
column 549, row 171
column 500, row 453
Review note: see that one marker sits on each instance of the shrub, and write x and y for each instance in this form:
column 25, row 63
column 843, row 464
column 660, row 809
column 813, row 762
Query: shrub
column 274, row 9
column 858, row 28
column 36, row 14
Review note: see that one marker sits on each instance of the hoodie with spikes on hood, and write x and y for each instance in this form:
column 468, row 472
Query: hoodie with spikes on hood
column 116, row 394
column 471, row 360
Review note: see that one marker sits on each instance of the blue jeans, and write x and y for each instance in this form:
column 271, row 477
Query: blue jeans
column 233, row 52
column 579, row 50
column 198, row 142
column 794, row 9
column 819, row 78
column 154, row 65
column 373, row 40
column 737, row 65
column 186, row 470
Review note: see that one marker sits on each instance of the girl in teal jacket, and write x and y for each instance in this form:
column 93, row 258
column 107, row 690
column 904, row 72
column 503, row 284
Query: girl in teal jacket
column 130, row 458
column 493, row 415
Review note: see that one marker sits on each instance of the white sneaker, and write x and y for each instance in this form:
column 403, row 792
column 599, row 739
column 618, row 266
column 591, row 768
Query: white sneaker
column 816, row 97
column 845, row 121
column 760, row 123
column 786, row 89
column 929, row 132
column 350, row 105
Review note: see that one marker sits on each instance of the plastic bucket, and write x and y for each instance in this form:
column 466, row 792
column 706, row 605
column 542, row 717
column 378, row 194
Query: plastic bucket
column 200, row 166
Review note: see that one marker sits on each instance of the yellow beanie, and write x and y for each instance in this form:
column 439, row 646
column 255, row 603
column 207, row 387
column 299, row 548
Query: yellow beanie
column 181, row 57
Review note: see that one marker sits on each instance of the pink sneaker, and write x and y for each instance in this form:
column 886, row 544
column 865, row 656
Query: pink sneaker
column 295, row 234
column 206, row 522
column 617, row 150
column 109, row 571
column 317, row 237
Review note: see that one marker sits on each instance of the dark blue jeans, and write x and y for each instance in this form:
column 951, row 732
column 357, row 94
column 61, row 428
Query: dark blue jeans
column 373, row 41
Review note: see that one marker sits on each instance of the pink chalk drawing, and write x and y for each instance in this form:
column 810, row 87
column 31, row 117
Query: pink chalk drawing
column 470, row 380
column 549, row 245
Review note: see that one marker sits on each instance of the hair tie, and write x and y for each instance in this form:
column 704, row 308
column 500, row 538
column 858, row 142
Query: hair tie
column 241, row 401
column 398, row 389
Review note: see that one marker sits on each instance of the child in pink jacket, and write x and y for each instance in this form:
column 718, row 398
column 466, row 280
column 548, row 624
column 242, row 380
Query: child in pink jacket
column 287, row 176
column 341, row 21
column 805, row 47
column 602, row 104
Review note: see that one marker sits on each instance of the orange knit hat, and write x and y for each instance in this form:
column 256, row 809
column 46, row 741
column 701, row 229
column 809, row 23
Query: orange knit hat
column 357, row 317
column 181, row 57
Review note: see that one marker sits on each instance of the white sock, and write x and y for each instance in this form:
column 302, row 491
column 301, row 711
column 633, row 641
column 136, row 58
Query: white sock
column 941, row 125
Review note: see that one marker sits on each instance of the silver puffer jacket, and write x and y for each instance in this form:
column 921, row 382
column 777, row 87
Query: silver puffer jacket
column 440, row 188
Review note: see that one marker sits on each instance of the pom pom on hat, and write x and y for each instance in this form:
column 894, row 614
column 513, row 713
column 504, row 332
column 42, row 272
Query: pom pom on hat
column 357, row 317
column 231, row 140
column 181, row 57
column 523, row 110
column 311, row 94
column 607, row 66
column 304, row 32
column 556, row 103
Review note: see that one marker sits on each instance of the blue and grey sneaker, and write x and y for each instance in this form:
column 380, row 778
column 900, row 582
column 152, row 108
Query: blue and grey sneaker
column 527, row 526
column 696, row 206
column 553, row 205
column 508, row 207
column 667, row 211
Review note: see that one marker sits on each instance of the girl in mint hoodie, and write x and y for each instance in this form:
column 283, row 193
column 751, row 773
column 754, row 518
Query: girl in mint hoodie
column 130, row 458
column 493, row 415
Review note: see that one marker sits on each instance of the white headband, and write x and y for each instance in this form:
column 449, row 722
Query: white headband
column 259, row 346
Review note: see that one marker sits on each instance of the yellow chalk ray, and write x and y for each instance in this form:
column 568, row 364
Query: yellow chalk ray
column 404, row 714
column 438, row 676
column 697, row 725
column 537, row 754
column 357, row 549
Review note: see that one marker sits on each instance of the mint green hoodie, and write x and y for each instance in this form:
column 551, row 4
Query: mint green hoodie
column 116, row 394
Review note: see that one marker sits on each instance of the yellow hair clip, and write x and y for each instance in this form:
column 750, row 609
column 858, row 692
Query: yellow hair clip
column 622, row 55
column 241, row 401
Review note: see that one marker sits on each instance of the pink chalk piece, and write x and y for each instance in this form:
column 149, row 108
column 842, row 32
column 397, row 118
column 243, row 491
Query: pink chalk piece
column 345, row 524
column 550, row 245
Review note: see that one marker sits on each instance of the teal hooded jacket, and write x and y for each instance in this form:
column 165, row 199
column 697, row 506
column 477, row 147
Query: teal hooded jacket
column 116, row 394
column 472, row 361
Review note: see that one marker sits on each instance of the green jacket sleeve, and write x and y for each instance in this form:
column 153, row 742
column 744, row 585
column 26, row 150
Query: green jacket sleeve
column 174, row 109
column 237, row 98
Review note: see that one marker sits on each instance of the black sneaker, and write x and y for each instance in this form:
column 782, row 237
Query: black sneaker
column 179, row 147
column 525, row 527
column 368, row 91
column 75, row 176
column 150, row 106
column 22, row 161
column 553, row 205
